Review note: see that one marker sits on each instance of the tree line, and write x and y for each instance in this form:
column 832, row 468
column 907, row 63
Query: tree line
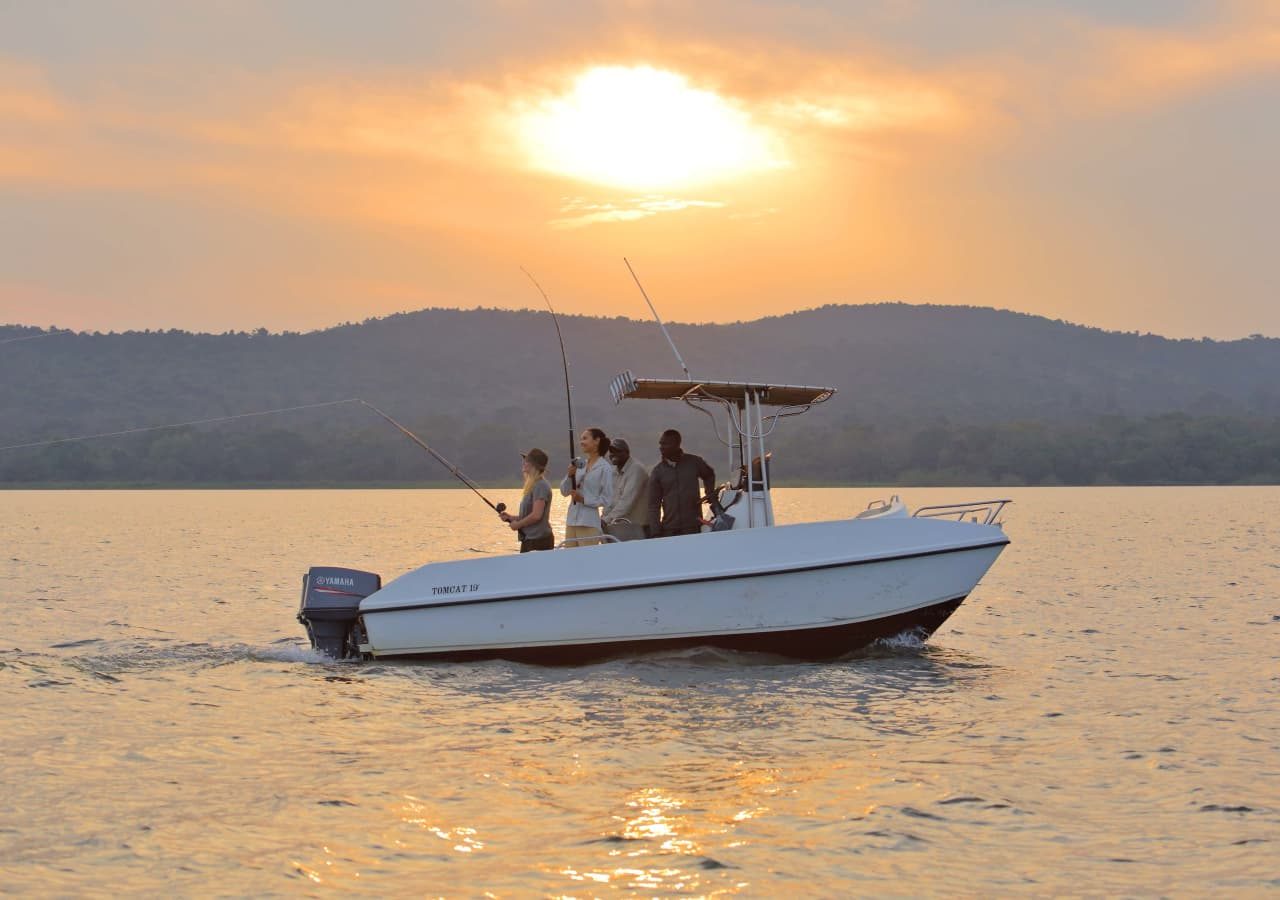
column 1169, row 449
column 925, row 394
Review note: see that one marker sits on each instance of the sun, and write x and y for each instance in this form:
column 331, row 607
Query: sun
column 645, row 129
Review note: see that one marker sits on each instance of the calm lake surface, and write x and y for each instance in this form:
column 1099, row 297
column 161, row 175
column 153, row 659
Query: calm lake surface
column 1101, row 716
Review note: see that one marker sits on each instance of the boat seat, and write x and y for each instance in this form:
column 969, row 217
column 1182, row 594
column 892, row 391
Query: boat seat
column 881, row 509
column 757, row 473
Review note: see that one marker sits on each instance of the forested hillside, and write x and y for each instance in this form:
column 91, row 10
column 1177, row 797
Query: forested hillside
column 926, row 394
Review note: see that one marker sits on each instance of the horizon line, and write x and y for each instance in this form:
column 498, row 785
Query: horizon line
column 52, row 330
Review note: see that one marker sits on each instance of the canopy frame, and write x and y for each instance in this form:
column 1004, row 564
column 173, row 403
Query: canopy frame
column 743, row 403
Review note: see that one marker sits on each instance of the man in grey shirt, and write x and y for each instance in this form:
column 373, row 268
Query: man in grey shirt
column 675, row 506
column 627, row 517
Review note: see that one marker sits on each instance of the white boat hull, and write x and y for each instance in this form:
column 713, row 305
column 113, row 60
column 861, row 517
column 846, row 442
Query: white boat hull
column 815, row 590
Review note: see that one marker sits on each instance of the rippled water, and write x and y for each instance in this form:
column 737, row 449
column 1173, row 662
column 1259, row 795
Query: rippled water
column 1102, row 715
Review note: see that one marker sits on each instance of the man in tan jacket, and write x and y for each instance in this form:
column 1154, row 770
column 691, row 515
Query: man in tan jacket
column 627, row 517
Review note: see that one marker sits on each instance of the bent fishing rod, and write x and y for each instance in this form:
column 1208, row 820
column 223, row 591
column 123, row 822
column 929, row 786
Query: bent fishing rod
column 499, row 508
column 564, row 359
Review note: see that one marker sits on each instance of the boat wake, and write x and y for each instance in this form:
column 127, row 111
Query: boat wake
column 109, row 660
column 909, row 640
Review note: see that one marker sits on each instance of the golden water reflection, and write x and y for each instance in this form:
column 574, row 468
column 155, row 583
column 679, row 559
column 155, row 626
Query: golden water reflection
column 337, row 866
column 462, row 837
column 657, row 817
column 659, row 823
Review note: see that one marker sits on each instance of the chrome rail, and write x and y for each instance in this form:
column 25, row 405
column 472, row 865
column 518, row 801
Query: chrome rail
column 587, row 540
column 989, row 510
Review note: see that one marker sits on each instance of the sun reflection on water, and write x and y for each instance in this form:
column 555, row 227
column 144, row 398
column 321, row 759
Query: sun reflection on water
column 659, row 827
column 336, row 867
column 462, row 837
column 656, row 818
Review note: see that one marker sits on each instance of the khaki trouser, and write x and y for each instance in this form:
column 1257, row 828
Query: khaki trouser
column 581, row 531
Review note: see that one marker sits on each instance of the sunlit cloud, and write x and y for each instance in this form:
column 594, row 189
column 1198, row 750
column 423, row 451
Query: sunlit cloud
column 627, row 127
column 696, row 114
column 579, row 213
column 1135, row 67
column 755, row 215
column 26, row 97
column 843, row 144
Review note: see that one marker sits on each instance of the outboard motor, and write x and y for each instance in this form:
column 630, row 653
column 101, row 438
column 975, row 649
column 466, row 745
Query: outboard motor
column 331, row 605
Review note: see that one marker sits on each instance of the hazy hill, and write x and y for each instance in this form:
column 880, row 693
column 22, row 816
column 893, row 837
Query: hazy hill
column 477, row 382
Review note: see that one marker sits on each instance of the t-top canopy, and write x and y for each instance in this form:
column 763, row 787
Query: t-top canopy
column 627, row 385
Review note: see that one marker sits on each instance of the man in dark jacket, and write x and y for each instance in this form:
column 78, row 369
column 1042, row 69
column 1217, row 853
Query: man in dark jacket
column 675, row 506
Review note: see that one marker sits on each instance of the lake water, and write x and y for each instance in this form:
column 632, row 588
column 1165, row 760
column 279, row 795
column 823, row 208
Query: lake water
column 1101, row 716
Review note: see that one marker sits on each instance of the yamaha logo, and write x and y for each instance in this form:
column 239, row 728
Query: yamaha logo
column 335, row 581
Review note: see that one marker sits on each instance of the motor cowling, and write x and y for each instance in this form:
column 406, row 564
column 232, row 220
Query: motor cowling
column 331, row 607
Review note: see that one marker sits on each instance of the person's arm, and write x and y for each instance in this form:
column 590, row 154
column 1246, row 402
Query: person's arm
column 566, row 486
column 614, row 507
column 598, row 489
column 708, row 476
column 534, row 515
column 655, row 501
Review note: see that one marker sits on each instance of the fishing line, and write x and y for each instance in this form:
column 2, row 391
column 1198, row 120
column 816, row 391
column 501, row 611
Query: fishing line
column 454, row 470
column 106, row 434
column 32, row 337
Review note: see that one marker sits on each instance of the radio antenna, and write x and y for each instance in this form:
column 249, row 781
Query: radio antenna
column 679, row 358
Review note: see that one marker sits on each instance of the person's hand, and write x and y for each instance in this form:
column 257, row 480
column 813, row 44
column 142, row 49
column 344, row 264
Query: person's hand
column 572, row 470
column 505, row 516
column 577, row 496
column 512, row 525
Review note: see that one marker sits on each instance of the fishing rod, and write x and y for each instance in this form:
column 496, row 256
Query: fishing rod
column 564, row 358
column 679, row 358
column 499, row 508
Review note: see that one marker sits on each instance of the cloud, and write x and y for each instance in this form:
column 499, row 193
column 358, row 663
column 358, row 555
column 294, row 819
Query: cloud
column 26, row 97
column 1131, row 67
column 581, row 212
column 396, row 145
column 912, row 130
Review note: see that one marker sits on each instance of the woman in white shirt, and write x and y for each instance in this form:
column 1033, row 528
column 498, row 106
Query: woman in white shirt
column 589, row 489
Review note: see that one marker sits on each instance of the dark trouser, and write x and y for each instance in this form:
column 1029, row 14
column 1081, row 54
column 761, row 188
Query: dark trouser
column 674, row 532
column 542, row 543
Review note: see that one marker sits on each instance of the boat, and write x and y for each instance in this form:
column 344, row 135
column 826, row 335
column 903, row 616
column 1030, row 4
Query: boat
column 813, row 590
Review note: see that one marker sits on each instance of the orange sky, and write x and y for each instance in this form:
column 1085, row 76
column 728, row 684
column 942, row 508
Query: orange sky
column 306, row 164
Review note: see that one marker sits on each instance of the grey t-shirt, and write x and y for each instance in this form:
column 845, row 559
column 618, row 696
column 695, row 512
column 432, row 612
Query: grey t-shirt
column 541, row 528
